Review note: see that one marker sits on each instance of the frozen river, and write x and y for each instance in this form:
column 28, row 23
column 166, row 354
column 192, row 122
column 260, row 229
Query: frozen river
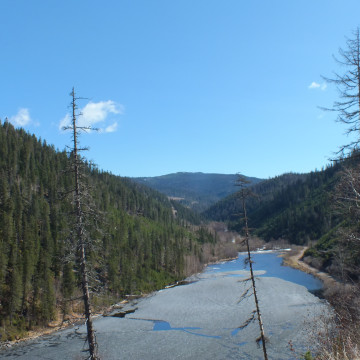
column 200, row 320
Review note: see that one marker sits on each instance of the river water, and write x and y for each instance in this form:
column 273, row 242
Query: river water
column 271, row 263
column 201, row 320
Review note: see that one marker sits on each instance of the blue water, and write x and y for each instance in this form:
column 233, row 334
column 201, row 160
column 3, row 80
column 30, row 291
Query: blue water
column 270, row 262
column 160, row 325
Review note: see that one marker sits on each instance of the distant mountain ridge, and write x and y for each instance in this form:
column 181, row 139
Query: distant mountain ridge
column 196, row 190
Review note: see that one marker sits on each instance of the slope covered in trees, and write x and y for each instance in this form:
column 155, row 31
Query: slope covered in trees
column 142, row 245
column 292, row 206
column 228, row 208
column 300, row 212
column 197, row 191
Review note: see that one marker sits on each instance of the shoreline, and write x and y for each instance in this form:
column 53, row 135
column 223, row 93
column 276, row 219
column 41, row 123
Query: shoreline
column 294, row 261
column 56, row 325
column 52, row 327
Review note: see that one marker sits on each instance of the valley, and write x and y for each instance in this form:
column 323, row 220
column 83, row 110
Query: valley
column 171, row 175
column 149, row 234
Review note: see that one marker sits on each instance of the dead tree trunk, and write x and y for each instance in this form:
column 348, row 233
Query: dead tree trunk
column 80, row 232
column 244, row 193
column 262, row 333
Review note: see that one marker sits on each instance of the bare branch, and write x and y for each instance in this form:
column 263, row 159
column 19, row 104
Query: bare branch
column 348, row 86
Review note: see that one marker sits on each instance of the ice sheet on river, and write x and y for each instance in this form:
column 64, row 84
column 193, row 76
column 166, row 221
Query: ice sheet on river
column 195, row 321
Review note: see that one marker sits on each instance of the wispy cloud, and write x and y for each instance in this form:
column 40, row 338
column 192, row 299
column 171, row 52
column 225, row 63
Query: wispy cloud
column 65, row 121
column 111, row 128
column 96, row 114
column 22, row 118
column 315, row 85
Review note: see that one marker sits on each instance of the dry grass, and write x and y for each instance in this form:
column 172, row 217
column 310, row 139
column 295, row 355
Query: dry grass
column 338, row 335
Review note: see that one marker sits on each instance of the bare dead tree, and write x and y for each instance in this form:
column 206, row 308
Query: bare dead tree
column 345, row 250
column 346, row 202
column 244, row 194
column 347, row 192
column 347, row 196
column 348, row 86
column 80, row 232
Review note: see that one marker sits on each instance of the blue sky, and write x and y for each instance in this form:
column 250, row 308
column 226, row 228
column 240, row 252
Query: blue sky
column 221, row 86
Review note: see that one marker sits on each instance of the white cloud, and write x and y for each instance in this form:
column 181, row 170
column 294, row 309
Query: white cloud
column 111, row 128
column 92, row 114
column 315, row 85
column 22, row 118
column 66, row 121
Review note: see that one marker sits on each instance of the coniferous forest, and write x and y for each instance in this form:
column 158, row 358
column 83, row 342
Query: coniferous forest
column 295, row 207
column 142, row 241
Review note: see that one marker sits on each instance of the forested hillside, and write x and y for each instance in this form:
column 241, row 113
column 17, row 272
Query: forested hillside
column 301, row 211
column 228, row 208
column 292, row 206
column 197, row 191
column 141, row 243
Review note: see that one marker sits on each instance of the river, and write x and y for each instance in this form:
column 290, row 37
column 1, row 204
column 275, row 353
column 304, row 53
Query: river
column 201, row 320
